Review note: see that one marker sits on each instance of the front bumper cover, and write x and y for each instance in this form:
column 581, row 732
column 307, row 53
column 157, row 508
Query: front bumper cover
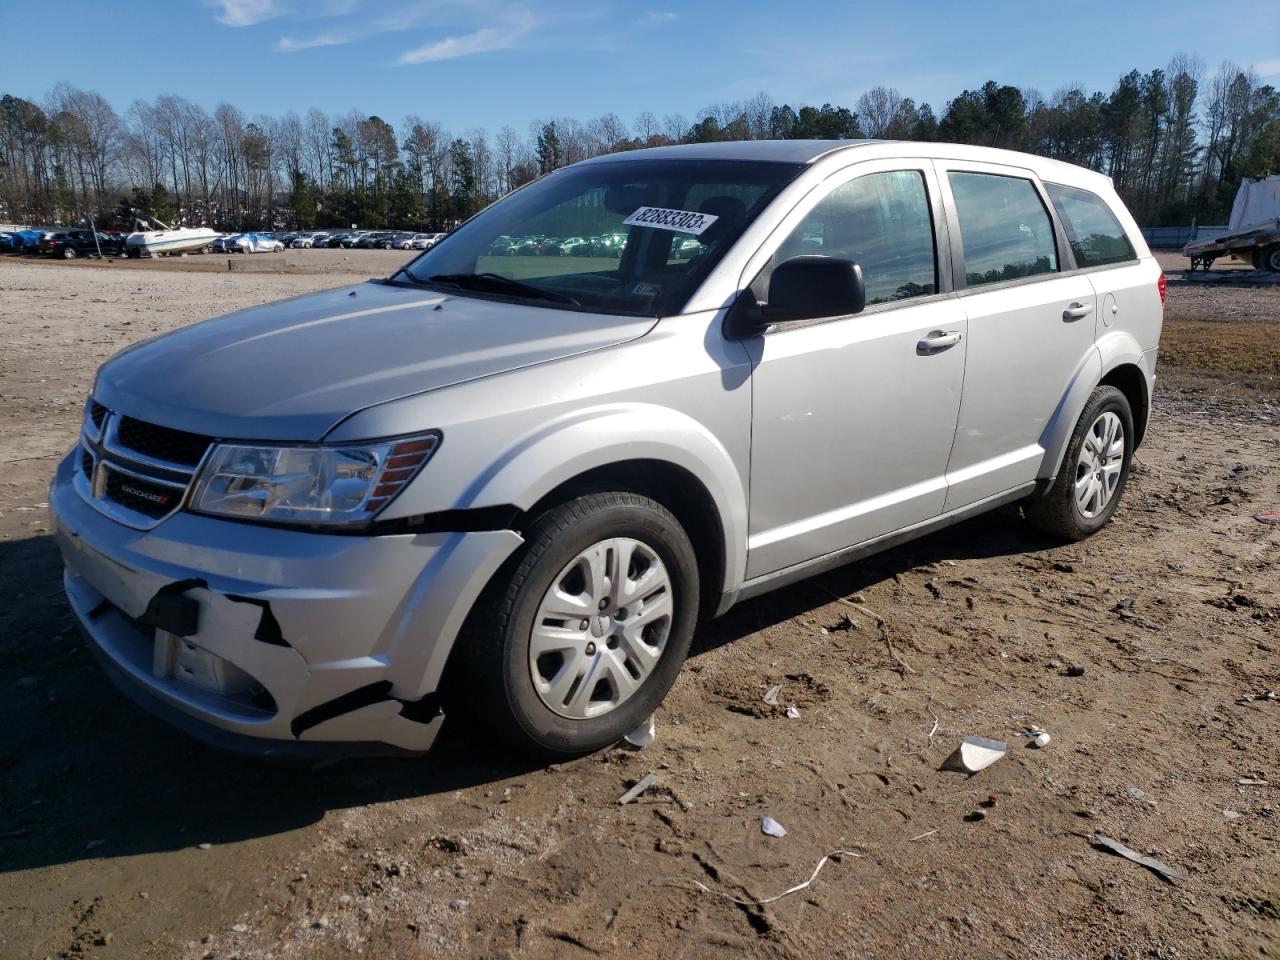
column 272, row 640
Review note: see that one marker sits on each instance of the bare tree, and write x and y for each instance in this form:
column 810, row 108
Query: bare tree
column 877, row 108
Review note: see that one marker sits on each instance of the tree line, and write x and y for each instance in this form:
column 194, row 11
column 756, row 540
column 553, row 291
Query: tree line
column 1175, row 140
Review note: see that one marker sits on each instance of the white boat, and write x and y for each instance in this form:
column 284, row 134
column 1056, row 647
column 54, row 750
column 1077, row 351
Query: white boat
column 151, row 242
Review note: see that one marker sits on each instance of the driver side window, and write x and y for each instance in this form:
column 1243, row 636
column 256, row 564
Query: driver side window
column 880, row 221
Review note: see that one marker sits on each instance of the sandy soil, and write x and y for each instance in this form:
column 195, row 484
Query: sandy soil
column 121, row 838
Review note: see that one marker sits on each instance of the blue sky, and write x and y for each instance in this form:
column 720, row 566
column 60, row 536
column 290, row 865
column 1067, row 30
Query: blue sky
column 471, row 63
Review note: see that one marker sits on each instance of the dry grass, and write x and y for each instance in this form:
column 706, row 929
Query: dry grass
column 1248, row 348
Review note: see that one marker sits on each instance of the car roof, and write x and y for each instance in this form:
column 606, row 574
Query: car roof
column 809, row 151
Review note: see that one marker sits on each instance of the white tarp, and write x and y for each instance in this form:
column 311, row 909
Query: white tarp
column 1257, row 201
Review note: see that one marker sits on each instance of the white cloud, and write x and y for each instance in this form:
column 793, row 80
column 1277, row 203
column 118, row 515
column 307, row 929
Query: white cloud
column 481, row 41
column 660, row 16
column 293, row 44
column 1267, row 68
column 244, row 13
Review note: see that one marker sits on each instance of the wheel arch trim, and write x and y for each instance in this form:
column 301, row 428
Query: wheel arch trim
column 606, row 436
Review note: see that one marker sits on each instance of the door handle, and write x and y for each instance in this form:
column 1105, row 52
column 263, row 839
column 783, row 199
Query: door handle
column 938, row 340
column 1077, row 311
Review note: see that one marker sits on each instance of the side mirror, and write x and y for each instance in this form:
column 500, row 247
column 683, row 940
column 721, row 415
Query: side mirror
column 802, row 288
column 809, row 287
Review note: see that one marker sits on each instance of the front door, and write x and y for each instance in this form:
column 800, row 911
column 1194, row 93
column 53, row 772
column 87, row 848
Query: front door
column 853, row 417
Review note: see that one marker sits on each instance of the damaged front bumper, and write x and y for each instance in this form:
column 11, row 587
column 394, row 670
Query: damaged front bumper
column 270, row 640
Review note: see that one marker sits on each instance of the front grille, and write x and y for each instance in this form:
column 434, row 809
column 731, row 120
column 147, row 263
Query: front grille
column 141, row 496
column 161, row 443
column 135, row 472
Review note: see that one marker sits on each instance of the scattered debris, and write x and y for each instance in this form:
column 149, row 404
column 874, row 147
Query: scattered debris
column 990, row 802
column 793, row 712
column 1055, row 664
column 1075, row 670
column 1251, row 697
column 1039, row 738
column 457, row 906
column 643, row 735
column 771, row 695
column 1151, row 863
column 833, row 855
column 647, row 781
column 927, row 833
column 1062, row 567
column 771, row 827
column 1251, row 782
column 1232, row 814
column 204, row 846
column 1270, row 517
column 974, row 754
column 1121, row 578
column 1123, row 605
column 1136, row 793
column 976, row 817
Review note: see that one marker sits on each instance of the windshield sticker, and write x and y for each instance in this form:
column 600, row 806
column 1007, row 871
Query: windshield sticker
column 682, row 221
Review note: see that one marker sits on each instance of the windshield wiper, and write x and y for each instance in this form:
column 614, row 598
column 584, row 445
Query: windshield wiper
column 498, row 283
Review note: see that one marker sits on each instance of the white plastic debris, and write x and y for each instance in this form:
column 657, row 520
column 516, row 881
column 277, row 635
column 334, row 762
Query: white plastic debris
column 644, row 734
column 771, row 695
column 1042, row 740
column 976, row 753
column 793, row 712
column 772, row 828
column 1232, row 814
column 645, row 783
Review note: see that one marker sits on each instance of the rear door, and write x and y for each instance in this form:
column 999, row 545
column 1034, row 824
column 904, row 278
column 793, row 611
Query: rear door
column 1030, row 325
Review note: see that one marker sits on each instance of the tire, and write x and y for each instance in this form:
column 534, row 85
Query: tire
column 1060, row 512
column 495, row 675
column 68, row 253
column 1271, row 258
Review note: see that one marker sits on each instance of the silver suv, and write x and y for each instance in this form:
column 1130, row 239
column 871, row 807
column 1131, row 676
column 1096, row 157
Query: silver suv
column 508, row 485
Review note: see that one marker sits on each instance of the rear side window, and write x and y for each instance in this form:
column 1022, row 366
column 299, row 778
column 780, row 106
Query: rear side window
column 880, row 221
column 1005, row 230
column 1093, row 231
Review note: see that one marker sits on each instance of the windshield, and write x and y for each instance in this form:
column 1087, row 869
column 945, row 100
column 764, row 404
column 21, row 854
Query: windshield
column 633, row 237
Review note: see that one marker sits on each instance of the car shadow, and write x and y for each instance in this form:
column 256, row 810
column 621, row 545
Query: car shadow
column 89, row 775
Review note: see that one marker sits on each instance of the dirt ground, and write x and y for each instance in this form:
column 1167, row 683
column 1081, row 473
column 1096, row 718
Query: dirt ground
column 120, row 838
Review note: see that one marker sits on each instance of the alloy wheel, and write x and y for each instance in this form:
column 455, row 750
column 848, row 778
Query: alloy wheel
column 1099, row 466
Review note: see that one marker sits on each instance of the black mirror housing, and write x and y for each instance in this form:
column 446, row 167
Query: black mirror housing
column 810, row 287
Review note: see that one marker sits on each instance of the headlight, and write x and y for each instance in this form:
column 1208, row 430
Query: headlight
column 309, row 484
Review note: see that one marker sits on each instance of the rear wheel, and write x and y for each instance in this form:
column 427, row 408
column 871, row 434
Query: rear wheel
column 1094, row 470
column 582, row 635
column 68, row 253
column 1271, row 258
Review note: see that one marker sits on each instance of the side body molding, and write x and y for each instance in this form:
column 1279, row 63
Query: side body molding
column 603, row 435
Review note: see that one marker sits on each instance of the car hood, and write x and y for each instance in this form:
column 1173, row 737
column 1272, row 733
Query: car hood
column 292, row 370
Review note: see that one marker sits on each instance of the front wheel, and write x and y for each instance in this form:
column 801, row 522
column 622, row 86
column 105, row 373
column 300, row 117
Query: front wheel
column 581, row 636
column 68, row 253
column 1094, row 470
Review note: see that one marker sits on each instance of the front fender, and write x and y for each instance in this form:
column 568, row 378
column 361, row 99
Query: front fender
column 599, row 436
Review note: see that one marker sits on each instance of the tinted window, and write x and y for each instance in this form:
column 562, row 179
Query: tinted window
column 880, row 221
column 1005, row 230
column 1093, row 231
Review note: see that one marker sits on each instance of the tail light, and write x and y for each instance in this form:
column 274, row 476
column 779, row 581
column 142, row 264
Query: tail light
column 1162, row 285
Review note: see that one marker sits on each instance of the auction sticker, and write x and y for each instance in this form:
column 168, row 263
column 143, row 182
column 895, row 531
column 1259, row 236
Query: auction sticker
column 682, row 221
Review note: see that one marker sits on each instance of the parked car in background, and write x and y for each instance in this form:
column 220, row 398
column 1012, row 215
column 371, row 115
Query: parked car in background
column 501, row 247
column 373, row 240
column 288, row 238
column 576, row 247
column 406, row 241
column 70, row 244
column 28, row 241
column 8, row 242
column 255, row 243
column 306, row 240
column 222, row 244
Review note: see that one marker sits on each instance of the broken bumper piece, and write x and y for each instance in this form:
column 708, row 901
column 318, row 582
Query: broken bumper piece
column 268, row 640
